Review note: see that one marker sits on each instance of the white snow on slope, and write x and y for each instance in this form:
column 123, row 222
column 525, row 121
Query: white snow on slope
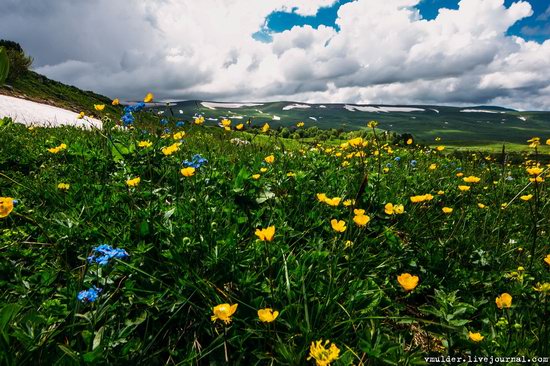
column 479, row 111
column 293, row 106
column 313, row 118
column 354, row 108
column 276, row 118
column 522, row 118
column 36, row 114
column 214, row 105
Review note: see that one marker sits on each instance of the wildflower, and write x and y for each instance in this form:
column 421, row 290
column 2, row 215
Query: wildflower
column 447, row 210
column 348, row 244
column 267, row 315
column 348, row 203
column 440, row 148
column 421, row 198
column 115, row 101
column 169, row 150
column 548, row 142
column 240, row 126
column 413, row 163
column 459, row 174
column 397, row 158
column 269, row 159
column 196, row 162
column 464, row 188
column 359, row 211
column 338, row 225
column 440, row 193
column 263, row 170
column 391, row 209
column 148, row 98
column 99, row 107
column 432, row 167
column 301, row 124
column 144, row 144
column 534, row 142
column 544, row 288
column 104, row 252
column 179, row 135
column 188, row 172
column 256, row 176
column 335, row 201
column 475, row 337
column 361, row 220
column 322, row 355
column 266, row 234
column 81, row 115
column 481, row 205
column 526, row 197
column 199, row 120
column 6, row 206
column 63, row 186
column 321, row 197
column 133, row 182
column 471, row 179
column 356, row 142
column 546, row 259
column 534, row 171
column 504, row 301
column 89, row 295
column 537, row 179
column 128, row 119
column 55, row 150
column 223, row 312
column 225, row 122
column 372, row 124
column 265, row 128
column 409, row 141
column 407, row 281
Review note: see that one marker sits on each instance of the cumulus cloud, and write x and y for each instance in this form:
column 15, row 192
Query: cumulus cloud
column 382, row 52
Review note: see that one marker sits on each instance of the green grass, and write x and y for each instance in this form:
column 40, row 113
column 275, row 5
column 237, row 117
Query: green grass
column 192, row 245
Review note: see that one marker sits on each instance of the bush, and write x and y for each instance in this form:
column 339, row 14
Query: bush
column 19, row 62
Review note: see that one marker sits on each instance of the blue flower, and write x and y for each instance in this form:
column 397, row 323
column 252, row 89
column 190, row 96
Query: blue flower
column 196, row 162
column 128, row 119
column 164, row 121
column 458, row 169
column 413, row 163
column 89, row 295
column 397, row 158
column 15, row 202
column 389, row 165
column 103, row 253
column 167, row 130
column 180, row 124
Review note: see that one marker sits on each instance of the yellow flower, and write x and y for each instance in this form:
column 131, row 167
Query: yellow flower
column 440, row 193
column 440, row 148
column 149, row 98
column 99, row 107
column 534, row 171
column 266, row 234
column 322, row 354
column 447, row 210
column 267, row 315
column 81, row 115
column 471, row 179
column 263, row 170
column 269, row 159
column 55, row 150
column 256, row 176
column 481, row 205
column 169, row 150
column 348, row 203
column 548, row 142
column 464, row 188
column 301, row 124
column 115, row 101
column 290, row 174
column 338, row 225
column 145, row 144
column 409, row 141
column 537, row 179
column 321, row 197
column 188, row 172
column 526, row 197
column 359, row 211
column 226, row 122
column 421, row 198
column 199, row 120
column 432, row 167
column 361, row 220
column 133, row 182
column 356, row 142
column 240, row 126
column 223, row 312
column 475, row 337
column 459, row 174
column 179, row 135
column 265, row 128
column 335, row 201
column 544, row 288
column 504, row 301
column 6, row 206
column 63, row 186
column 407, row 281
column 372, row 124
column 547, row 259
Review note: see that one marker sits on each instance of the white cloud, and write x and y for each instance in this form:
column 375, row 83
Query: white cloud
column 384, row 51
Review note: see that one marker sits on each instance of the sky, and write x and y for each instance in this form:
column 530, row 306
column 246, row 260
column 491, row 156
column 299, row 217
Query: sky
column 451, row 52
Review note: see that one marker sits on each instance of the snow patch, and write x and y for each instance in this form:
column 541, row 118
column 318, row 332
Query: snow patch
column 214, row 105
column 298, row 106
column 379, row 109
column 522, row 118
column 36, row 114
column 276, row 118
column 479, row 111
column 313, row 118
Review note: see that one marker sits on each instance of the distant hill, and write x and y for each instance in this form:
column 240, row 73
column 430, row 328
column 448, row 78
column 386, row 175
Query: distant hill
column 476, row 125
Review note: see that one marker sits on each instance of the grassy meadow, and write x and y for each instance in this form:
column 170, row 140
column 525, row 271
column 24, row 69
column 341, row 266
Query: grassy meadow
column 204, row 245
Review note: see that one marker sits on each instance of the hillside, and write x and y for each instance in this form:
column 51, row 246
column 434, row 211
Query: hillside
column 477, row 125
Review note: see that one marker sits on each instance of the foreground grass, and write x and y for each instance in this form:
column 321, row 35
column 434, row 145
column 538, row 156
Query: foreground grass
column 193, row 244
